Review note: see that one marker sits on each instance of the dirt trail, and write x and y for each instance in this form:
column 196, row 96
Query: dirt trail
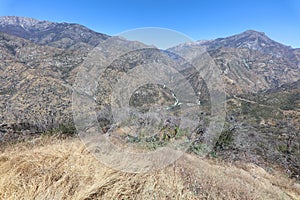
column 254, row 102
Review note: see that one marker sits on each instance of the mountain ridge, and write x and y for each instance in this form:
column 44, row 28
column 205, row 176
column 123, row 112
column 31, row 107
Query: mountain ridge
column 243, row 69
column 61, row 35
column 39, row 66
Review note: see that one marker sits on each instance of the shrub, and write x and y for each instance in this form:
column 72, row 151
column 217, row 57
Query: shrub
column 67, row 129
column 198, row 149
column 224, row 140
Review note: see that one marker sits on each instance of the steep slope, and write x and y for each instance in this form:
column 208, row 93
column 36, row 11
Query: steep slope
column 251, row 61
column 35, row 85
column 266, row 127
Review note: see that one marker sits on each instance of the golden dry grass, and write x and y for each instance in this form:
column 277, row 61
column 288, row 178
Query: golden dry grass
column 63, row 169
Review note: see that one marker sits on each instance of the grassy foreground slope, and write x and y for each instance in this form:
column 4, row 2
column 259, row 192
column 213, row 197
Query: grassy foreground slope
column 49, row 168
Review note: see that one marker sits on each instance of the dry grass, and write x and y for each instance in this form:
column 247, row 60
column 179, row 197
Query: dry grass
column 63, row 169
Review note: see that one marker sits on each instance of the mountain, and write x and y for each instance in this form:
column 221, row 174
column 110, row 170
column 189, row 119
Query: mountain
column 60, row 35
column 35, row 85
column 40, row 61
column 252, row 40
column 251, row 61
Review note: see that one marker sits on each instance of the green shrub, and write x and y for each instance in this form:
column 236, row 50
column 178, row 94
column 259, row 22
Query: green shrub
column 224, row 140
column 198, row 149
column 67, row 129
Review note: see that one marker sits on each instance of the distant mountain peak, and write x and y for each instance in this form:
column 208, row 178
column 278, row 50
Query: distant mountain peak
column 21, row 21
column 61, row 35
column 253, row 32
column 252, row 40
column 248, row 36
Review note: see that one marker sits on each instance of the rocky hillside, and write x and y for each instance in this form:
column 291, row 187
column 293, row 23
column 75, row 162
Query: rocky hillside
column 35, row 83
column 264, row 126
column 40, row 60
column 251, row 61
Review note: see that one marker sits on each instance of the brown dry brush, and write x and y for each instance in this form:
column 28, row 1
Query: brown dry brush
column 52, row 168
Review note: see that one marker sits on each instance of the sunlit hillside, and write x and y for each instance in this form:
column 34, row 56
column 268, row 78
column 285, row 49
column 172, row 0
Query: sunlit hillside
column 51, row 168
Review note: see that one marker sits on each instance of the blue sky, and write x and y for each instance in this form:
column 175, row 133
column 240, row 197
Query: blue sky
column 207, row 19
